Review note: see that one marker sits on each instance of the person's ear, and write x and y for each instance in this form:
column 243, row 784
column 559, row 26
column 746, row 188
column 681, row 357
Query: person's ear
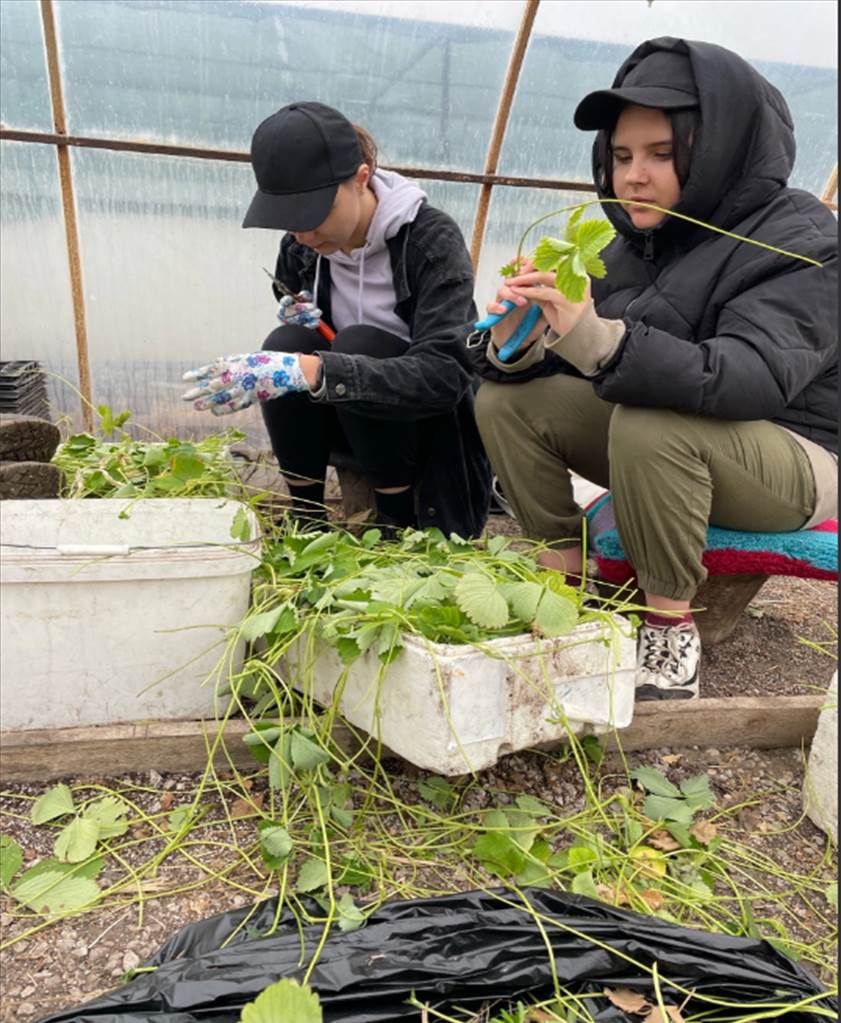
column 363, row 176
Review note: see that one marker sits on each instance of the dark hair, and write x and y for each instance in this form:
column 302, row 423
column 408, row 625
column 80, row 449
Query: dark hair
column 685, row 125
column 369, row 147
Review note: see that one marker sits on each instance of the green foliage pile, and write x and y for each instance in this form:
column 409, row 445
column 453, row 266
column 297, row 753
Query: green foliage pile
column 94, row 467
column 358, row 594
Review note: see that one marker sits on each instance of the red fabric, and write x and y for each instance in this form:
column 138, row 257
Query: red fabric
column 727, row 561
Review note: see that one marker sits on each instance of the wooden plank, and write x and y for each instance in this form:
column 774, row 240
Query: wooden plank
column 756, row 722
column 110, row 750
column 106, row 751
column 762, row 722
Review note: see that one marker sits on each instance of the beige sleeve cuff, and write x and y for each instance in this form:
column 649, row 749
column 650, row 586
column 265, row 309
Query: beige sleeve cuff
column 533, row 354
column 591, row 343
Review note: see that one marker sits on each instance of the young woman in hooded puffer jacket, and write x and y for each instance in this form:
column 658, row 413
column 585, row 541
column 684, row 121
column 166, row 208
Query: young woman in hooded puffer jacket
column 698, row 379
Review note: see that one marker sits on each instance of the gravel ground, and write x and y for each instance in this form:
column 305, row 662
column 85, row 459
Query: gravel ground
column 73, row 961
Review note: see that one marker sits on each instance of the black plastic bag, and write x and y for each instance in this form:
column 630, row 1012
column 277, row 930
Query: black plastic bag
column 462, row 949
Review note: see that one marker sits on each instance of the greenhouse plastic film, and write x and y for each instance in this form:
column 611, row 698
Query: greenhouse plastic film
column 460, row 950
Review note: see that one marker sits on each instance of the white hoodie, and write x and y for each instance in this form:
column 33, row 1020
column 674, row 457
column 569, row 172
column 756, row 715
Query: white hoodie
column 362, row 283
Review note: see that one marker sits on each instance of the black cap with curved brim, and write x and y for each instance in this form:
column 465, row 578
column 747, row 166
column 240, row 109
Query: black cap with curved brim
column 663, row 80
column 300, row 156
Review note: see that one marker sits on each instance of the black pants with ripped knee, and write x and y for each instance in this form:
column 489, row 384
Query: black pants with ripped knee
column 303, row 432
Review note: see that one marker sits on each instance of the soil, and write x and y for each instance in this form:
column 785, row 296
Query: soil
column 75, row 960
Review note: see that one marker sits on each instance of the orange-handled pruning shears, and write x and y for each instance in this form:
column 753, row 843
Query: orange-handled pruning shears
column 322, row 328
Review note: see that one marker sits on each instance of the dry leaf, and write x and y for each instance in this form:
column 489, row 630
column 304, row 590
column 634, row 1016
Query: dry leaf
column 245, row 807
column 656, row 1015
column 653, row 899
column 704, row 831
column 166, row 800
column 627, row 1000
column 607, row 893
column 661, row 839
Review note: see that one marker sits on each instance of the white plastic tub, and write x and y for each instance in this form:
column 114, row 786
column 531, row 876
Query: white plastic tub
column 820, row 791
column 97, row 608
column 453, row 709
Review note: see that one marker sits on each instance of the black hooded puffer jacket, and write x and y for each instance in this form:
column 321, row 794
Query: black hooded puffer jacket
column 717, row 327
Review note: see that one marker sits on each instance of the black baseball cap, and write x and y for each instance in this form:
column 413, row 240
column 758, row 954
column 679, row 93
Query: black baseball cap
column 663, row 79
column 300, row 156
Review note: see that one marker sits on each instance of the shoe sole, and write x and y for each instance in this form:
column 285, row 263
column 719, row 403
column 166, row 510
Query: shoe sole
column 30, row 481
column 27, row 439
column 650, row 693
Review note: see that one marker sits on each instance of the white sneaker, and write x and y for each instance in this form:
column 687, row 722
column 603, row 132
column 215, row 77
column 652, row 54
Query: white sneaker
column 668, row 662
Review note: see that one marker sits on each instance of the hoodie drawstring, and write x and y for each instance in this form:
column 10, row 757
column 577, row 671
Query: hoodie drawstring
column 315, row 285
column 360, row 288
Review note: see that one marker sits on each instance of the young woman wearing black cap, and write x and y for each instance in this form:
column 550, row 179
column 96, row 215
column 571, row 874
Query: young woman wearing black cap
column 699, row 382
column 364, row 256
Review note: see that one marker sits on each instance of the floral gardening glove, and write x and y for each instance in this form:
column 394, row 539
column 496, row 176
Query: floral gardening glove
column 234, row 382
column 300, row 310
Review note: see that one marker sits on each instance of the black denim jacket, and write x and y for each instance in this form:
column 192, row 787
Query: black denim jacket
column 434, row 381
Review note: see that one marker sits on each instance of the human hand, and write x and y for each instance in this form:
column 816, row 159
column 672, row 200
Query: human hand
column 505, row 329
column 531, row 285
column 234, row 382
column 299, row 310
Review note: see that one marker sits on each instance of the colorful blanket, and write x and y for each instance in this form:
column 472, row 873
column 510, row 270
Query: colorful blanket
column 810, row 553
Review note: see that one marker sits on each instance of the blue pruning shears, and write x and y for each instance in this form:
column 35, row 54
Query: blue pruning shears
column 520, row 334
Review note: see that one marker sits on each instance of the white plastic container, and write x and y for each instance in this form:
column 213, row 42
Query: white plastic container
column 97, row 608
column 453, row 709
column 820, row 791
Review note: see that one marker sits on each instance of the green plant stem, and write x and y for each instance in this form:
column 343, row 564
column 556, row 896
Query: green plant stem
column 671, row 213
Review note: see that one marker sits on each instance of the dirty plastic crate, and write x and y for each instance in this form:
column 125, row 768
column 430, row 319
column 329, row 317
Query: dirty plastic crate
column 96, row 609
column 453, row 709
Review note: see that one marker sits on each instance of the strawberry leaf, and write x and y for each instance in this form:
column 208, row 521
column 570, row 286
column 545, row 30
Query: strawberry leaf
column 556, row 616
column 550, row 251
column 77, row 841
column 592, row 236
column 572, row 225
column 569, row 281
column 523, row 599
column 478, row 597
column 284, row 1000
column 54, row 803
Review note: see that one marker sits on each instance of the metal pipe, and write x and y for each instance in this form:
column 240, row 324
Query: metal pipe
column 506, row 98
column 68, row 204
column 236, row 156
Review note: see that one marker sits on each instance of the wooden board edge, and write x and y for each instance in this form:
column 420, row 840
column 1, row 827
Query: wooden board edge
column 167, row 746
column 755, row 722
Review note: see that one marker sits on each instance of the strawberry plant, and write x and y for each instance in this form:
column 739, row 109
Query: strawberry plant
column 576, row 257
column 359, row 594
column 94, row 467
column 573, row 258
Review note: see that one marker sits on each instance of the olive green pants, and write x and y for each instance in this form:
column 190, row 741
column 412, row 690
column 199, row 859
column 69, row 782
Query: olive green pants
column 670, row 474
